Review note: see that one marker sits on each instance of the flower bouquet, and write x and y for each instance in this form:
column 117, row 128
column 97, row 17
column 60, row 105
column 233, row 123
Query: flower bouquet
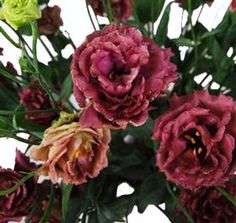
column 131, row 104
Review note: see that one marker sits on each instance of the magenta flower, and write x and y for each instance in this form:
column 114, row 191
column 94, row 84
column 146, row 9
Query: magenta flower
column 197, row 140
column 209, row 205
column 116, row 73
column 121, row 9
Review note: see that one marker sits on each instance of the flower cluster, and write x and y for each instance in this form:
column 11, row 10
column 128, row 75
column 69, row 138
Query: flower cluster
column 129, row 80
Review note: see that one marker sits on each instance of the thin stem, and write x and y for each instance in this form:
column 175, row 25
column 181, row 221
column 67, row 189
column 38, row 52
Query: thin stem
column 17, row 185
column 41, row 79
column 202, row 7
column 12, row 77
column 5, row 112
column 50, row 205
column 184, row 211
column 203, row 79
column 90, row 16
column 71, row 41
column 227, row 195
column 9, row 38
column 46, row 48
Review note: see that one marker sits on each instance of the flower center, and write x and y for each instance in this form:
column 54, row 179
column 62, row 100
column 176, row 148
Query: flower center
column 80, row 152
column 195, row 143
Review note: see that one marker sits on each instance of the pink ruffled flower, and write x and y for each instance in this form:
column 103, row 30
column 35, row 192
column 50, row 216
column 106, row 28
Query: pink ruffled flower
column 197, row 140
column 116, row 73
column 209, row 205
column 72, row 152
column 121, row 9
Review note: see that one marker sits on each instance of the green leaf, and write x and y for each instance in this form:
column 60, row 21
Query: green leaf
column 59, row 41
column 148, row 10
column 67, row 87
column 66, row 192
column 141, row 131
column 118, row 209
column 152, row 191
column 184, row 42
column 161, row 34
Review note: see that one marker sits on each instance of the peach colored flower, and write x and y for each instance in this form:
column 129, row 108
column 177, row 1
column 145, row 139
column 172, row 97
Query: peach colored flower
column 72, row 152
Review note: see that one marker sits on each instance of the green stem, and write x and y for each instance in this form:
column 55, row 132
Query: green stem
column 184, row 211
column 9, row 38
column 41, row 79
column 6, row 112
column 17, row 185
column 192, row 32
column 71, row 41
column 90, row 16
column 227, row 195
column 12, row 77
column 46, row 48
column 50, row 205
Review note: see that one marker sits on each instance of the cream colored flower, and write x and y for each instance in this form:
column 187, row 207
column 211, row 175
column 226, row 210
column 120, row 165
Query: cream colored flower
column 72, row 152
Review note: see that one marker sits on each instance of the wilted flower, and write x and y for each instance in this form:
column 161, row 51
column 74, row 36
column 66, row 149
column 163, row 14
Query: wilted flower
column 72, row 152
column 197, row 140
column 19, row 12
column 121, row 9
column 209, row 205
column 16, row 205
column 119, row 71
column 34, row 98
column 50, row 21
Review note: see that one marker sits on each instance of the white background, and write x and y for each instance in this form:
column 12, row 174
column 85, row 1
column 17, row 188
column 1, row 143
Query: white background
column 77, row 23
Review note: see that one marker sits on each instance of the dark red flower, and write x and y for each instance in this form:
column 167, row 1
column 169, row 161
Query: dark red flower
column 208, row 205
column 233, row 6
column 121, row 9
column 22, row 163
column 197, row 140
column 50, row 21
column 9, row 84
column 118, row 72
column 16, row 205
column 34, row 98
